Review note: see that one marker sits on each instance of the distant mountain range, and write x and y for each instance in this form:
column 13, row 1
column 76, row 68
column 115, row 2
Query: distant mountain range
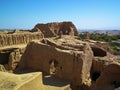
column 110, row 32
column 6, row 29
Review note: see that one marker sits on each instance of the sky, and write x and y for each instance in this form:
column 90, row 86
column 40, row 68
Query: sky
column 85, row 14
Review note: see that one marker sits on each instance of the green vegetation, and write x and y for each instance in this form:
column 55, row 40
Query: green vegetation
column 101, row 37
column 105, row 38
column 114, row 47
column 80, row 36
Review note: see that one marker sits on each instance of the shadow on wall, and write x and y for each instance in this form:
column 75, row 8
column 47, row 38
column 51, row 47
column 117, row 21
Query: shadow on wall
column 4, row 55
column 98, row 52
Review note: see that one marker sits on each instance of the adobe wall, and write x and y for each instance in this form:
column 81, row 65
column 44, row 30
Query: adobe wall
column 24, row 37
column 56, row 28
column 61, row 61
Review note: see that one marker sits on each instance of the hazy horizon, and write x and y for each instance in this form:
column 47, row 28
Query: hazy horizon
column 85, row 14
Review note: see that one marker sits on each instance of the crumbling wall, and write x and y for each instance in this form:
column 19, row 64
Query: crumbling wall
column 105, row 73
column 109, row 78
column 10, row 58
column 56, row 28
column 67, row 64
column 19, row 38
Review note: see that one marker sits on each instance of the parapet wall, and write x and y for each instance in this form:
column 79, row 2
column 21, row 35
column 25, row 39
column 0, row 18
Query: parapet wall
column 8, row 39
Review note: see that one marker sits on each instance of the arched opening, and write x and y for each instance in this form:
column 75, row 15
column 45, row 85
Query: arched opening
column 53, row 66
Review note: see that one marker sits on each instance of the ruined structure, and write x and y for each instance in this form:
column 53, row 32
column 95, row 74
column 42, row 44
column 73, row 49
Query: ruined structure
column 18, row 37
column 66, row 62
column 10, row 58
column 106, row 73
column 10, row 53
column 86, row 67
column 66, row 58
column 39, row 31
column 105, row 69
column 56, row 28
